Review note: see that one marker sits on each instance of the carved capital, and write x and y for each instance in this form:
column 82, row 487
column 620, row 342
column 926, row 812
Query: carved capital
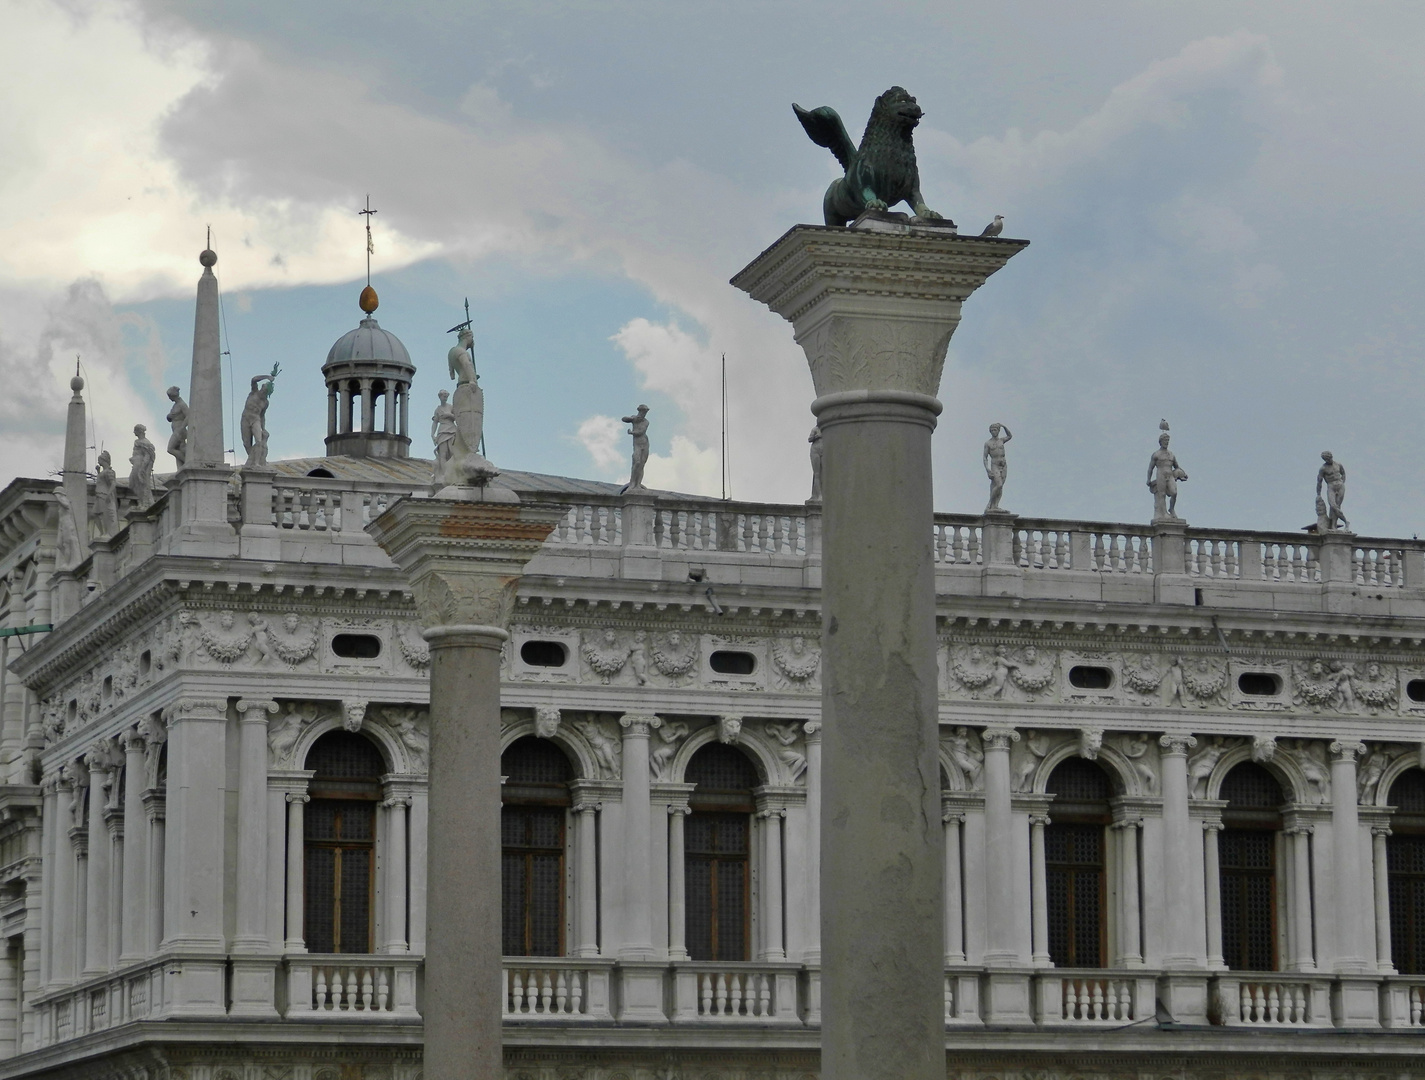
column 998, row 738
column 679, row 809
column 851, row 352
column 465, row 599
column 952, row 817
column 1176, row 745
column 1381, row 830
column 1040, row 820
column 1342, row 750
column 396, row 800
column 203, row 709
column 132, row 740
column 1300, row 828
column 298, row 797
column 813, row 730
column 638, row 725
column 255, row 710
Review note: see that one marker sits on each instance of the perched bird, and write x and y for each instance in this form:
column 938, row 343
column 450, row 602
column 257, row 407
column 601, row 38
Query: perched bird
column 995, row 227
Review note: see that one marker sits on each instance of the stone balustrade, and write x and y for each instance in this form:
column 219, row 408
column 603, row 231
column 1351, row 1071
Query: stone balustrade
column 356, row 988
column 130, row 994
column 1274, row 1000
column 559, row 989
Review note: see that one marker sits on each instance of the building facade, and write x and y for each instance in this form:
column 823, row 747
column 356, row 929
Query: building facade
column 1182, row 788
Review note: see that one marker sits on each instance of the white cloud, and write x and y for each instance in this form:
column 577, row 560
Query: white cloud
column 603, row 437
column 687, row 468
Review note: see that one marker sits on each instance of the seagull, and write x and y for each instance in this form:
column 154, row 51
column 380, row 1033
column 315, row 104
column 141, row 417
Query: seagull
column 995, row 227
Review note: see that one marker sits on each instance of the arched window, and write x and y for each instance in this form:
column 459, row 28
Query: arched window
column 340, row 841
column 1247, row 858
column 1405, row 861
column 716, row 847
column 1074, row 864
column 536, row 802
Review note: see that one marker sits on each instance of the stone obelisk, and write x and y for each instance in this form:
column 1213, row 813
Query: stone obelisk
column 464, row 561
column 873, row 306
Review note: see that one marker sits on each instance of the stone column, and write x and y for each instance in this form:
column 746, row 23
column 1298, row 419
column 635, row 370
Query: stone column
column 96, row 914
column 464, row 561
column 405, row 411
column 344, row 416
column 251, row 929
column 771, row 818
column 396, row 806
column 133, row 904
column 1351, row 948
column 586, row 869
column 62, row 965
column 331, row 411
column 1179, row 950
column 677, row 886
column 368, row 407
column 1130, row 937
column 49, row 818
column 873, row 307
column 954, row 912
column 812, row 728
column 1381, row 877
column 1213, row 877
column 114, row 824
column 1001, row 946
column 1301, row 896
column 1039, row 886
column 296, row 872
column 638, row 837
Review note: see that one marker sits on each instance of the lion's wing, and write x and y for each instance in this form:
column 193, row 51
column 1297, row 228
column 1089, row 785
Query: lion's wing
column 825, row 128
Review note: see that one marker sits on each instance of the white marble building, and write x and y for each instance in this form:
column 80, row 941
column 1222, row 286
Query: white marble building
column 1184, row 809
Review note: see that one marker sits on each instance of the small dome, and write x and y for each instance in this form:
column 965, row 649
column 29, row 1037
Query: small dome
column 369, row 342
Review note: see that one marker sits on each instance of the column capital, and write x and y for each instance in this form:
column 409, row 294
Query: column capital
column 998, row 738
column 593, row 806
column 463, row 559
column 255, row 710
column 638, row 725
column 133, row 740
column 389, row 803
column 812, row 729
column 194, row 708
column 1346, row 750
column 947, row 816
column 1040, row 820
column 1299, row 828
column 1212, row 825
column 298, row 797
column 1381, row 830
column 1176, row 745
column 1128, row 823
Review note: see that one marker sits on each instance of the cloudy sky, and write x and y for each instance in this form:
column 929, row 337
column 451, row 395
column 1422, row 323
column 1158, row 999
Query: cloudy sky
column 1223, row 201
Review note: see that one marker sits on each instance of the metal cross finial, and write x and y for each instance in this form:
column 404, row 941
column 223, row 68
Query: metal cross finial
column 370, row 244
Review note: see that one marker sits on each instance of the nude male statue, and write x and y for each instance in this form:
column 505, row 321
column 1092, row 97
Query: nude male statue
column 1164, row 486
column 638, row 428
column 254, row 419
column 996, row 467
column 178, row 417
column 1333, row 474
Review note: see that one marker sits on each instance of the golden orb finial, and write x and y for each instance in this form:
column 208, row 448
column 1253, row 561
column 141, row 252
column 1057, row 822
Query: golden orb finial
column 369, row 301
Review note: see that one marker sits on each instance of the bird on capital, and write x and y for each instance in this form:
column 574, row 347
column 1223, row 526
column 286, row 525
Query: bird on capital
column 995, row 227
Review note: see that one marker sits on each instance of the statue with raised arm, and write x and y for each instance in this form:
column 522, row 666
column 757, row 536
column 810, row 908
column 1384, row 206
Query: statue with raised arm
column 442, row 433
column 817, row 453
column 178, row 418
column 141, row 475
column 996, row 466
column 1163, row 476
column 254, row 419
column 638, row 428
column 1333, row 475
column 466, row 466
column 106, row 496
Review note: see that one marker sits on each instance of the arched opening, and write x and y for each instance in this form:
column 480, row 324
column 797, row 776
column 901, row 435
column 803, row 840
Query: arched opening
column 717, row 854
column 1405, row 864
column 1074, row 864
column 535, row 801
column 1247, row 860
column 339, row 834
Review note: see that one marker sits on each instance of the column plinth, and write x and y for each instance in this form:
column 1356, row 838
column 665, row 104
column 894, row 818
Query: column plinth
column 874, row 312
column 464, row 561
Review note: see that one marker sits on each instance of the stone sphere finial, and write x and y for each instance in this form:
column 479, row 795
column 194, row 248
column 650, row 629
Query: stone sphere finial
column 209, row 257
column 76, row 384
column 368, row 301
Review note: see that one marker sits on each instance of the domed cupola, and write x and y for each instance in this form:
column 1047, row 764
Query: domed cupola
column 366, row 368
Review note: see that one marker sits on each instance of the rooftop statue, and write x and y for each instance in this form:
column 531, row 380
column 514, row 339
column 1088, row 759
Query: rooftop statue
column 638, row 428
column 996, row 466
column 254, row 419
column 1333, row 475
column 178, row 417
column 1164, row 485
column 442, row 433
column 141, row 476
column 106, row 499
column 466, row 466
column 882, row 170
column 818, row 453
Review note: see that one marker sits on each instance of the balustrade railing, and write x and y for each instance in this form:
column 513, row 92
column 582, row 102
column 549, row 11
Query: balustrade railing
column 1262, row 1002
column 1379, row 568
column 958, row 542
column 557, row 989
column 736, row 992
column 359, row 987
column 1094, row 997
column 134, row 993
column 1120, row 552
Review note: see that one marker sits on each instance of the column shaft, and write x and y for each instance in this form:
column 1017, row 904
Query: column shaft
column 463, row 997
column 1381, row 876
column 405, row 411
column 1301, row 897
column 133, row 904
column 1351, row 946
column 1039, row 886
column 954, row 910
column 1001, row 944
column 251, row 931
column 1131, row 937
column 396, row 875
column 677, row 890
column 638, row 839
column 813, row 835
column 1213, row 898
column 155, row 804
column 296, row 871
column 1180, row 949
column 96, row 916
column 62, row 905
column 368, row 407
column 772, row 944
column 196, row 785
